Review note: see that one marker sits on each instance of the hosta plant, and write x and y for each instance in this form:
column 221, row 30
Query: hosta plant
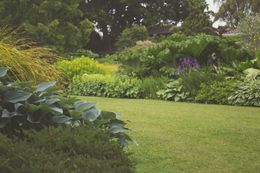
column 24, row 107
column 247, row 94
column 174, row 91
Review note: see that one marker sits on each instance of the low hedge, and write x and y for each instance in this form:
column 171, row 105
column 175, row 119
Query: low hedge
column 63, row 150
column 106, row 86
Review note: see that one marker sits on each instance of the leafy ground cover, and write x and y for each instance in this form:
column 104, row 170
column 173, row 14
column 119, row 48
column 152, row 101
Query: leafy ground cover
column 186, row 137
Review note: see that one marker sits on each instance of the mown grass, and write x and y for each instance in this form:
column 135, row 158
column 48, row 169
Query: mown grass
column 185, row 137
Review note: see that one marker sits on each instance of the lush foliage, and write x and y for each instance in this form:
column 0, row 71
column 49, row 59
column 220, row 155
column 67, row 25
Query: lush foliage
column 53, row 150
column 216, row 92
column 106, row 85
column 247, row 94
column 250, row 29
column 151, row 85
column 84, row 65
column 27, row 62
column 130, row 36
column 232, row 12
column 56, row 23
column 165, row 57
column 23, row 107
column 198, row 20
column 116, row 16
column 174, row 91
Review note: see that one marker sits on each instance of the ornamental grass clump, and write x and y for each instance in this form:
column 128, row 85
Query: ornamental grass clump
column 26, row 61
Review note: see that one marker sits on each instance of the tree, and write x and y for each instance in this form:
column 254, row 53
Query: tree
column 198, row 20
column 113, row 16
column 57, row 23
column 130, row 36
column 232, row 11
column 250, row 29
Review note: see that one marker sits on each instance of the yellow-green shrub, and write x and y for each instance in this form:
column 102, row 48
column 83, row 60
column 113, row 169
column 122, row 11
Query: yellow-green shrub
column 25, row 61
column 85, row 65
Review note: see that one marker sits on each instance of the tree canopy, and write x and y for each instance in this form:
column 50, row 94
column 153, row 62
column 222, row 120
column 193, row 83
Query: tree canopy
column 232, row 11
column 57, row 23
column 67, row 24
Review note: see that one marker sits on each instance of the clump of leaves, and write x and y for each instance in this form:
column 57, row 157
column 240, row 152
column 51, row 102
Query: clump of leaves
column 174, row 91
column 216, row 92
column 24, row 107
column 247, row 94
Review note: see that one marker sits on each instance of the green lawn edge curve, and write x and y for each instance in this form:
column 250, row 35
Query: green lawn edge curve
column 187, row 137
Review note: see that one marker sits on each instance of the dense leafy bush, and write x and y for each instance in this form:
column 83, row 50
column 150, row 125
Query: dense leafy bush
column 23, row 107
column 192, row 80
column 247, row 94
column 25, row 60
column 84, row 65
column 174, row 91
column 106, row 85
column 153, row 60
column 216, row 92
column 63, row 150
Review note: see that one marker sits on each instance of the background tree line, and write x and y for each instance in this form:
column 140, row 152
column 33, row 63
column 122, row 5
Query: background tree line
column 69, row 25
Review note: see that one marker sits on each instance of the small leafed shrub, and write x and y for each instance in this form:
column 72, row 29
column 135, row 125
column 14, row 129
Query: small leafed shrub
column 247, row 94
column 106, row 85
column 84, row 65
column 82, row 149
column 216, row 92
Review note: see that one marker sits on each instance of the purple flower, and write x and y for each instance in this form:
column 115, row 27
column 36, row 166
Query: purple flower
column 187, row 64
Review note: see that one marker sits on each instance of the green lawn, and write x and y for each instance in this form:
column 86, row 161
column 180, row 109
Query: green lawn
column 184, row 137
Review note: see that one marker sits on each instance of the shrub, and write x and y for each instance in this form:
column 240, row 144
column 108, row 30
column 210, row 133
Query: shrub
column 26, row 61
column 174, row 91
column 152, row 60
column 247, row 94
column 84, row 65
column 24, row 107
column 106, row 85
column 68, row 150
column 216, row 92
column 193, row 80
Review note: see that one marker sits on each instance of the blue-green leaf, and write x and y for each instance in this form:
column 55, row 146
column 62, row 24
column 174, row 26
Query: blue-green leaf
column 61, row 119
column 15, row 96
column 43, row 86
column 3, row 71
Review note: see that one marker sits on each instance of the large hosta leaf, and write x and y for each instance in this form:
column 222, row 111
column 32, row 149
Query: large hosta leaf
column 43, row 86
column 83, row 106
column 91, row 114
column 7, row 114
column 15, row 96
column 3, row 71
column 252, row 73
column 61, row 119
